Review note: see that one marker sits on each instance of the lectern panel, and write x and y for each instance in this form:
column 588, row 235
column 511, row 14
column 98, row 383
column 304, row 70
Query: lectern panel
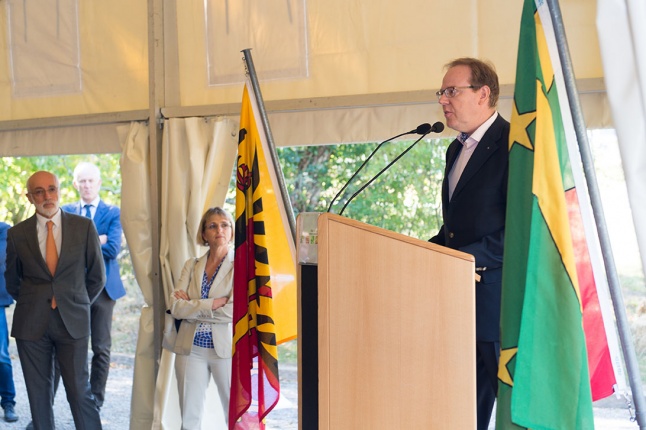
column 396, row 331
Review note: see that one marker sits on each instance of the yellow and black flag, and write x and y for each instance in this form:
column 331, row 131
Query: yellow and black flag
column 264, row 312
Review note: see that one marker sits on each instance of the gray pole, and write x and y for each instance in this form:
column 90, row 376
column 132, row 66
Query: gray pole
column 270, row 141
column 623, row 327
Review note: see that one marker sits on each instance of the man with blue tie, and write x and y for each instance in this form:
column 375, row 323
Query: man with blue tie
column 87, row 181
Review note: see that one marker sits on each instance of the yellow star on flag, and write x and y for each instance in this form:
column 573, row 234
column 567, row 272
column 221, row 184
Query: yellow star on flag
column 518, row 132
column 506, row 355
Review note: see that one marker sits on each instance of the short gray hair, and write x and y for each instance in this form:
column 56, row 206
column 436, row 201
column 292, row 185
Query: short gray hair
column 84, row 165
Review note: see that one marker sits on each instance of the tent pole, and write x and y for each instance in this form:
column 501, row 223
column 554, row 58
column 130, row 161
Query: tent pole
column 623, row 327
column 156, row 99
column 270, row 141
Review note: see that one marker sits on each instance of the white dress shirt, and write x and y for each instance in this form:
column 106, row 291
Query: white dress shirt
column 93, row 205
column 41, row 229
column 469, row 145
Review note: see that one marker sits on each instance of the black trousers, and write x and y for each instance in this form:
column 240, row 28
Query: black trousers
column 36, row 359
column 101, row 341
column 487, row 355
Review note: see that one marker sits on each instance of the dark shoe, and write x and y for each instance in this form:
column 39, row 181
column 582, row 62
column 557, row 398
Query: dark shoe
column 30, row 426
column 10, row 414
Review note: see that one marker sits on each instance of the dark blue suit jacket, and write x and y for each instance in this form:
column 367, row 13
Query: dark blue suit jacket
column 107, row 220
column 474, row 219
column 5, row 298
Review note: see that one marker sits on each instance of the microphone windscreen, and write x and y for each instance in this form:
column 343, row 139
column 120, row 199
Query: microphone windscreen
column 423, row 128
column 438, row 127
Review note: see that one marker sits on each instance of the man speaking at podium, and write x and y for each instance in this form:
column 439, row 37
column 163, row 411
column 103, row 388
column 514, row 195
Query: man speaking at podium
column 474, row 197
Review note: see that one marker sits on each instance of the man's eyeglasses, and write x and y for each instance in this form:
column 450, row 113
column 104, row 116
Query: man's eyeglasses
column 451, row 92
column 40, row 192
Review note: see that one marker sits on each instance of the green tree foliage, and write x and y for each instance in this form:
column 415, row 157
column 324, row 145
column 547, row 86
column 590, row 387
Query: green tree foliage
column 406, row 198
column 14, row 206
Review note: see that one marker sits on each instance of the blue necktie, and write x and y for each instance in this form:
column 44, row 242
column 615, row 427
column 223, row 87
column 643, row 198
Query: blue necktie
column 87, row 211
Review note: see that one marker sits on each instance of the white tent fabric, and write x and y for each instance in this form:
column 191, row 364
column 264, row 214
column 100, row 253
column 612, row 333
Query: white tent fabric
column 366, row 70
column 359, row 47
column 622, row 38
column 76, row 58
column 198, row 155
column 80, row 139
column 137, row 226
column 36, row 51
column 356, row 53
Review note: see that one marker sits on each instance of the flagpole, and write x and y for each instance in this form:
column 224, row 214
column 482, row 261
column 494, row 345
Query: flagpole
column 597, row 208
column 270, row 142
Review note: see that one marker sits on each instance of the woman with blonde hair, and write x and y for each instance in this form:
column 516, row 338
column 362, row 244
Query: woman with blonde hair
column 203, row 301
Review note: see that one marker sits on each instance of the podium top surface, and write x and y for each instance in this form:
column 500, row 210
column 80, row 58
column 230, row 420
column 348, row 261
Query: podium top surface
column 309, row 225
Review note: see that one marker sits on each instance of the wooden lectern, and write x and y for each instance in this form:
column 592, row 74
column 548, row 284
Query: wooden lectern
column 386, row 330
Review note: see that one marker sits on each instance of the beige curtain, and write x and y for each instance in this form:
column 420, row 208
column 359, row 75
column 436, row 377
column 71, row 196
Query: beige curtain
column 136, row 222
column 198, row 155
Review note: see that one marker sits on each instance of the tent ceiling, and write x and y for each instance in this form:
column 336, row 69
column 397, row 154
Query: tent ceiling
column 359, row 47
column 370, row 67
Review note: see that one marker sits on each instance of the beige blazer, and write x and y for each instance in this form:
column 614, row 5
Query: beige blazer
column 197, row 310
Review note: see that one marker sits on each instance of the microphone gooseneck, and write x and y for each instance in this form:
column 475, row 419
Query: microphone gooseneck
column 421, row 129
column 436, row 128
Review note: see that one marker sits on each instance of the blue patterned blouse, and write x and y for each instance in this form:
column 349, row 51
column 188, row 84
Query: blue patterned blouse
column 203, row 336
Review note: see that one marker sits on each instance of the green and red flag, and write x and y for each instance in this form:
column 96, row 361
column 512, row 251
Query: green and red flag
column 549, row 291
column 264, row 307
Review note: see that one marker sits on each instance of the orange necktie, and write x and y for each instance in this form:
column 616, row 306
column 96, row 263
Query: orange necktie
column 51, row 255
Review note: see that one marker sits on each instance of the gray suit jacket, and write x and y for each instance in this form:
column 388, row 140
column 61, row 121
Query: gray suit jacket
column 79, row 278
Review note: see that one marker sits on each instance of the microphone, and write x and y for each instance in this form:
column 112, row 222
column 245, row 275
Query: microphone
column 438, row 127
column 422, row 129
column 427, row 128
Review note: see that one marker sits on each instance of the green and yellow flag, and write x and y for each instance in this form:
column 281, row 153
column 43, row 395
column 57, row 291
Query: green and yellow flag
column 543, row 373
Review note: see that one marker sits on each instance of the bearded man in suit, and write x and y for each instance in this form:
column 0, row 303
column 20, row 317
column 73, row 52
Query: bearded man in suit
column 107, row 219
column 474, row 202
column 54, row 272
